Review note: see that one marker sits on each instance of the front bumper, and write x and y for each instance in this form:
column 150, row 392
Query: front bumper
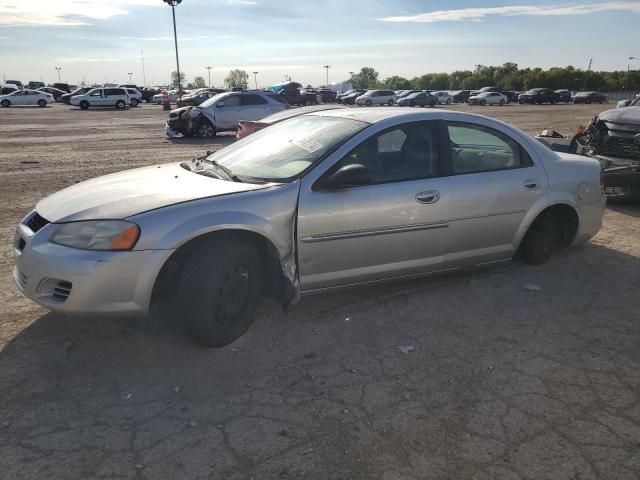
column 74, row 281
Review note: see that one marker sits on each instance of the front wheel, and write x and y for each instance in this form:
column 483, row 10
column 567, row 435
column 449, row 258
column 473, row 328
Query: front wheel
column 120, row 105
column 42, row 103
column 84, row 105
column 412, row 103
column 448, row 101
column 206, row 129
column 219, row 291
column 134, row 102
column 5, row 103
column 501, row 103
column 368, row 103
column 390, row 103
column 483, row 102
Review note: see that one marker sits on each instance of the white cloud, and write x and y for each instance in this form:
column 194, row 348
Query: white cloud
column 14, row 13
column 478, row 14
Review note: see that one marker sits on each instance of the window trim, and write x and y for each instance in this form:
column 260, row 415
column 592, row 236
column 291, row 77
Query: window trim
column 448, row 159
column 440, row 165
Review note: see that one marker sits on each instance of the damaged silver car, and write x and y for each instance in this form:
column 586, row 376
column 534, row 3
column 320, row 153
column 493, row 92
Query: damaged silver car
column 323, row 200
column 222, row 112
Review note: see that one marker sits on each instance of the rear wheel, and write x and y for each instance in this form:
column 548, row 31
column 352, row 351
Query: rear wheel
column 368, row 103
column 120, row 104
column 5, row 103
column 432, row 104
column 42, row 103
column 501, row 102
column 84, row 105
column 206, row 129
column 219, row 290
column 448, row 101
column 483, row 102
column 390, row 103
column 537, row 247
column 412, row 103
column 134, row 102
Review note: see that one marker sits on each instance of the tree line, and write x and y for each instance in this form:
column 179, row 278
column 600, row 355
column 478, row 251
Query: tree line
column 507, row 77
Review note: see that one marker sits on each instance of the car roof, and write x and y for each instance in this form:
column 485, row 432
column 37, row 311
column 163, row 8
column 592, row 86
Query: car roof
column 374, row 114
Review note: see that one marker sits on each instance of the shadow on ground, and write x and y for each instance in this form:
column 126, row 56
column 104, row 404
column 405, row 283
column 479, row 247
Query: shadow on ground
column 500, row 383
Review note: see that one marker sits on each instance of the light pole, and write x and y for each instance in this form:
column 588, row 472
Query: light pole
column 130, row 75
column 628, row 65
column 255, row 78
column 327, row 67
column 209, row 72
column 172, row 4
column 58, row 69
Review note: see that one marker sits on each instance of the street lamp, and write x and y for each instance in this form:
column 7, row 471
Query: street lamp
column 172, row 4
column 58, row 69
column 255, row 79
column 327, row 67
column 209, row 72
column 130, row 74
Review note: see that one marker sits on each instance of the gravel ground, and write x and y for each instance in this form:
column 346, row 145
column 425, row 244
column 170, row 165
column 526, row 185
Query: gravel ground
column 500, row 383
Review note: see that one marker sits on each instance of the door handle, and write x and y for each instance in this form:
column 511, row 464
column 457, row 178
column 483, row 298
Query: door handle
column 430, row 196
column 531, row 184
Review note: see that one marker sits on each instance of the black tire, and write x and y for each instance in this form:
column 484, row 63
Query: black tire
column 58, row 99
column 501, row 102
column 390, row 103
column 412, row 103
column 42, row 103
column 483, row 102
column 588, row 101
column 120, row 105
column 537, row 248
column 432, row 104
column 219, row 291
column 308, row 102
column 448, row 101
column 134, row 102
column 84, row 105
column 206, row 129
column 368, row 103
column 521, row 102
column 5, row 103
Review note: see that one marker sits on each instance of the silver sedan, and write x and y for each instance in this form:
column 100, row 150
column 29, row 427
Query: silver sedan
column 323, row 200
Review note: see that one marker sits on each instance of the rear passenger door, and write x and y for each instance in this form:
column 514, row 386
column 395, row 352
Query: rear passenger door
column 494, row 182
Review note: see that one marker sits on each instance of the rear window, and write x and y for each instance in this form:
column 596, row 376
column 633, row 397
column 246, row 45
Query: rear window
column 114, row 91
column 253, row 100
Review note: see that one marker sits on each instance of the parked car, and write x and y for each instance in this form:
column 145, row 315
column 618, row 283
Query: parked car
column 65, row 87
column 212, row 235
column 326, row 95
column 66, row 98
column 135, row 97
column 102, row 97
column 248, row 127
column 222, row 112
column 174, row 96
column 512, row 95
column 195, row 99
column 33, row 85
column 149, row 93
column 17, row 83
column 57, row 93
column 488, row 98
column 418, row 99
column 404, row 93
column 7, row 89
column 26, row 97
column 443, row 97
column 460, row 95
column 484, row 90
column 349, row 98
column 538, row 96
column 129, row 85
column 564, row 96
column 376, row 97
column 589, row 97
column 294, row 94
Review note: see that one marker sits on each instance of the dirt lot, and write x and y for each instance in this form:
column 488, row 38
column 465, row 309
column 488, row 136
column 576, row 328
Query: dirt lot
column 503, row 383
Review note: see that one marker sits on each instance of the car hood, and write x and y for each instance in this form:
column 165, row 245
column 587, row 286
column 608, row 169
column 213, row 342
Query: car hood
column 120, row 195
column 621, row 115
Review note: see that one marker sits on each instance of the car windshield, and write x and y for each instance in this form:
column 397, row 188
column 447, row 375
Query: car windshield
column 210, row 101
column 286, row 149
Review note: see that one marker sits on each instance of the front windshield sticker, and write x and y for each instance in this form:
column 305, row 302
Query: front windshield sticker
column 307, row 144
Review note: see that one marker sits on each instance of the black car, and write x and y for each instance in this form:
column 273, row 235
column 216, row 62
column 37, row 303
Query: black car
column 62, row 86
column 66, row 98
column 56, row 92
column 7, row 89
column 483, row 90
column 148, row 93
column 294, row 94
column 349, row 98
column 538, row 96
column 564, row 96
column 589, row 97
column 460, row 96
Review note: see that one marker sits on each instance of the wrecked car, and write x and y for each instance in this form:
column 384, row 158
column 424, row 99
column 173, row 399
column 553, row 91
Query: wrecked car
column 222, row 112
column 323, row 200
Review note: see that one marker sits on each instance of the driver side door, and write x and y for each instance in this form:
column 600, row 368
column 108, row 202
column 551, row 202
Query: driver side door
column 394, row 226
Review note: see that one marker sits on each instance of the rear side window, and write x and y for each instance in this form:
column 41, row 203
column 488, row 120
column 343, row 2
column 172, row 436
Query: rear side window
column 476, row 148
column 114, row 91
column 253, row 100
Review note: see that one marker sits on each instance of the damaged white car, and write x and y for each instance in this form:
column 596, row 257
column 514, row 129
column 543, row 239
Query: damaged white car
column 322, row 200
column 222, row 112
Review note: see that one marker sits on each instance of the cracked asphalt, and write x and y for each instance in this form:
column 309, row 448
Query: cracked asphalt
column 502, row 382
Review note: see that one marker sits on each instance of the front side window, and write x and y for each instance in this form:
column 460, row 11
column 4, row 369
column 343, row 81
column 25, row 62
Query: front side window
column 476, row 148
column 231, row 101
column 96, row 93
column 405, row 152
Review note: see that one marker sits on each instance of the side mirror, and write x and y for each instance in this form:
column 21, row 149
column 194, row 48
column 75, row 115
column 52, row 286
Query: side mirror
column 353, row 175
column 220, row 104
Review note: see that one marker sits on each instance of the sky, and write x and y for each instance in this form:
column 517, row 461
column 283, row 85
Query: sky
column 99, row 41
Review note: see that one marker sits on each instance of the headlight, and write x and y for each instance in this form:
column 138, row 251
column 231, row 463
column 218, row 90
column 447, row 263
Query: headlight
column 97, row 235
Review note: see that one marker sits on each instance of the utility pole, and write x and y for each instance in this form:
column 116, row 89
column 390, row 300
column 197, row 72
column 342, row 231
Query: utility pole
column 209, row 72
column 172, row 4
column 144, row 77
column 58, row 69
column 586, row 76
column 327, row 67
column 130, row 74
column 255, row 79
